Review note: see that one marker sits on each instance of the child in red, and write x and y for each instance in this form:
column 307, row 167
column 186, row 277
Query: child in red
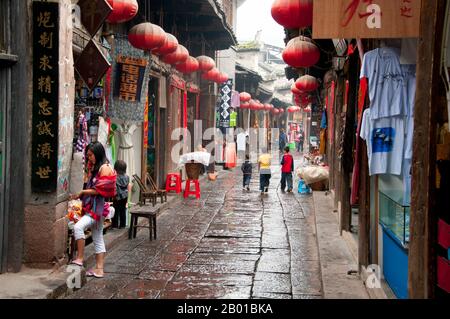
column 287, row 168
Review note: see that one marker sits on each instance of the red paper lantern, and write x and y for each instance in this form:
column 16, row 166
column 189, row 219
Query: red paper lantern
column 123, row 11
column 267, row 107
column 254, row 106
column 295, row 91
column 169, row 46
column 245, row 105
column 189, row 66
column 222, row 78
column 147, row 36
column 206, row 63
column 281, row 110
column 180, row 55
column 300, row 52
column 211, row 75
column 307, row 83
column 245, row 97
column 293, row 14
column 292, row 109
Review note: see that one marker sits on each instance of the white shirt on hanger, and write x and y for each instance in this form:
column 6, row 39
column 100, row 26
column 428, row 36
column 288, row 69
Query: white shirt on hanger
column 382, row 69
column 385, row 141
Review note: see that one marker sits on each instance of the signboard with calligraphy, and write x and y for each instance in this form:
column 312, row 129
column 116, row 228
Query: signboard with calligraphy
column 129, row 78
column 224, row 104
column 341, row 19
column 44, row 155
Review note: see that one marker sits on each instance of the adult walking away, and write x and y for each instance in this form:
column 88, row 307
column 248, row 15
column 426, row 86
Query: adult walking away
column 287, row 168
column 247, row 169
column 265, row 173
column 283, row 140
column 101, row 185
column 299, row 140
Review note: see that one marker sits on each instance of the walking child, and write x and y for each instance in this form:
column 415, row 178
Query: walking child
column 247, row 169
column 265, row 172
column 287, row 168
column 123, row 187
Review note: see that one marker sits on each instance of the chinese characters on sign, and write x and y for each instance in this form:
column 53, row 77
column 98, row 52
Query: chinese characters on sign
column 366, row 19
column 224, row 105
column 45, row 97
column 130, row 77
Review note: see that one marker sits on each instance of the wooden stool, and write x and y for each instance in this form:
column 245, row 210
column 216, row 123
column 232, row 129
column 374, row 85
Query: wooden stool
column 195, row 192
column 173, row 182
column 151, row 216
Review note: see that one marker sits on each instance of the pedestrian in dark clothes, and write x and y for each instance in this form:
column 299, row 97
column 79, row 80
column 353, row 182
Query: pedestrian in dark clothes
column 247, row 169
column 287, row 168
column 123, row 187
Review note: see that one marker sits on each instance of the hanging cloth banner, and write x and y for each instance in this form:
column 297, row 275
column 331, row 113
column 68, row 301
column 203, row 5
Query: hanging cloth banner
column 130, row 76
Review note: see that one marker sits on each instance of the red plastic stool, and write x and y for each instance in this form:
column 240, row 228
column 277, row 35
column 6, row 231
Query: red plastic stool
column 195, row 192
column 173, row 183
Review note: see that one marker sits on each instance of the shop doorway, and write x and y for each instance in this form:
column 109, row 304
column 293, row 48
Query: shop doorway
column 152, row 154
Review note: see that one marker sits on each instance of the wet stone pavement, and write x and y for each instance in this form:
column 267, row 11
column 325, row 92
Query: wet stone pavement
column 231, row 244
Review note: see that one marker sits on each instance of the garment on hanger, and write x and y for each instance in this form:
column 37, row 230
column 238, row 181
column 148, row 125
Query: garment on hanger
column 83, row 134
column 126, row 150
column 382, row 69
column 385, row 140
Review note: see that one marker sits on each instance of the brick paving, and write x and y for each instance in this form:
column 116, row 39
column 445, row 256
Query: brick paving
column 229, row 244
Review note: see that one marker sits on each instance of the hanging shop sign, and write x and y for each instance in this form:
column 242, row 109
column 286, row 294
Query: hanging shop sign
column 224, row 104
column 93, row 14
column 92, row 65
column 44, row 163
column 129, row 78
column 366, row 19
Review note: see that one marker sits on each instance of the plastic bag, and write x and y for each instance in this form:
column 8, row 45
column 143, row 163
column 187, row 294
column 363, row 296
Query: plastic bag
column 74, row 211
column 313, row 174
column 303, row 188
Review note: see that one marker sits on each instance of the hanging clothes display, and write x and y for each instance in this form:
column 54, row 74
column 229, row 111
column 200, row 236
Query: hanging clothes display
column 357, row 161
column 83, row 133
column 383, row 70
column 126, row 150
column 323, row 134
column 385, row 141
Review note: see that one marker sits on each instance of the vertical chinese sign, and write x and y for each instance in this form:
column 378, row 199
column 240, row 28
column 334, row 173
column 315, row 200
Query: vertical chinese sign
column 44, row 155
column 130, row 78
column 224, row 105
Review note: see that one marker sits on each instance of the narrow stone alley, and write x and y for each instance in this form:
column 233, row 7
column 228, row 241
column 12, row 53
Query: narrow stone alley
column 231, row 244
